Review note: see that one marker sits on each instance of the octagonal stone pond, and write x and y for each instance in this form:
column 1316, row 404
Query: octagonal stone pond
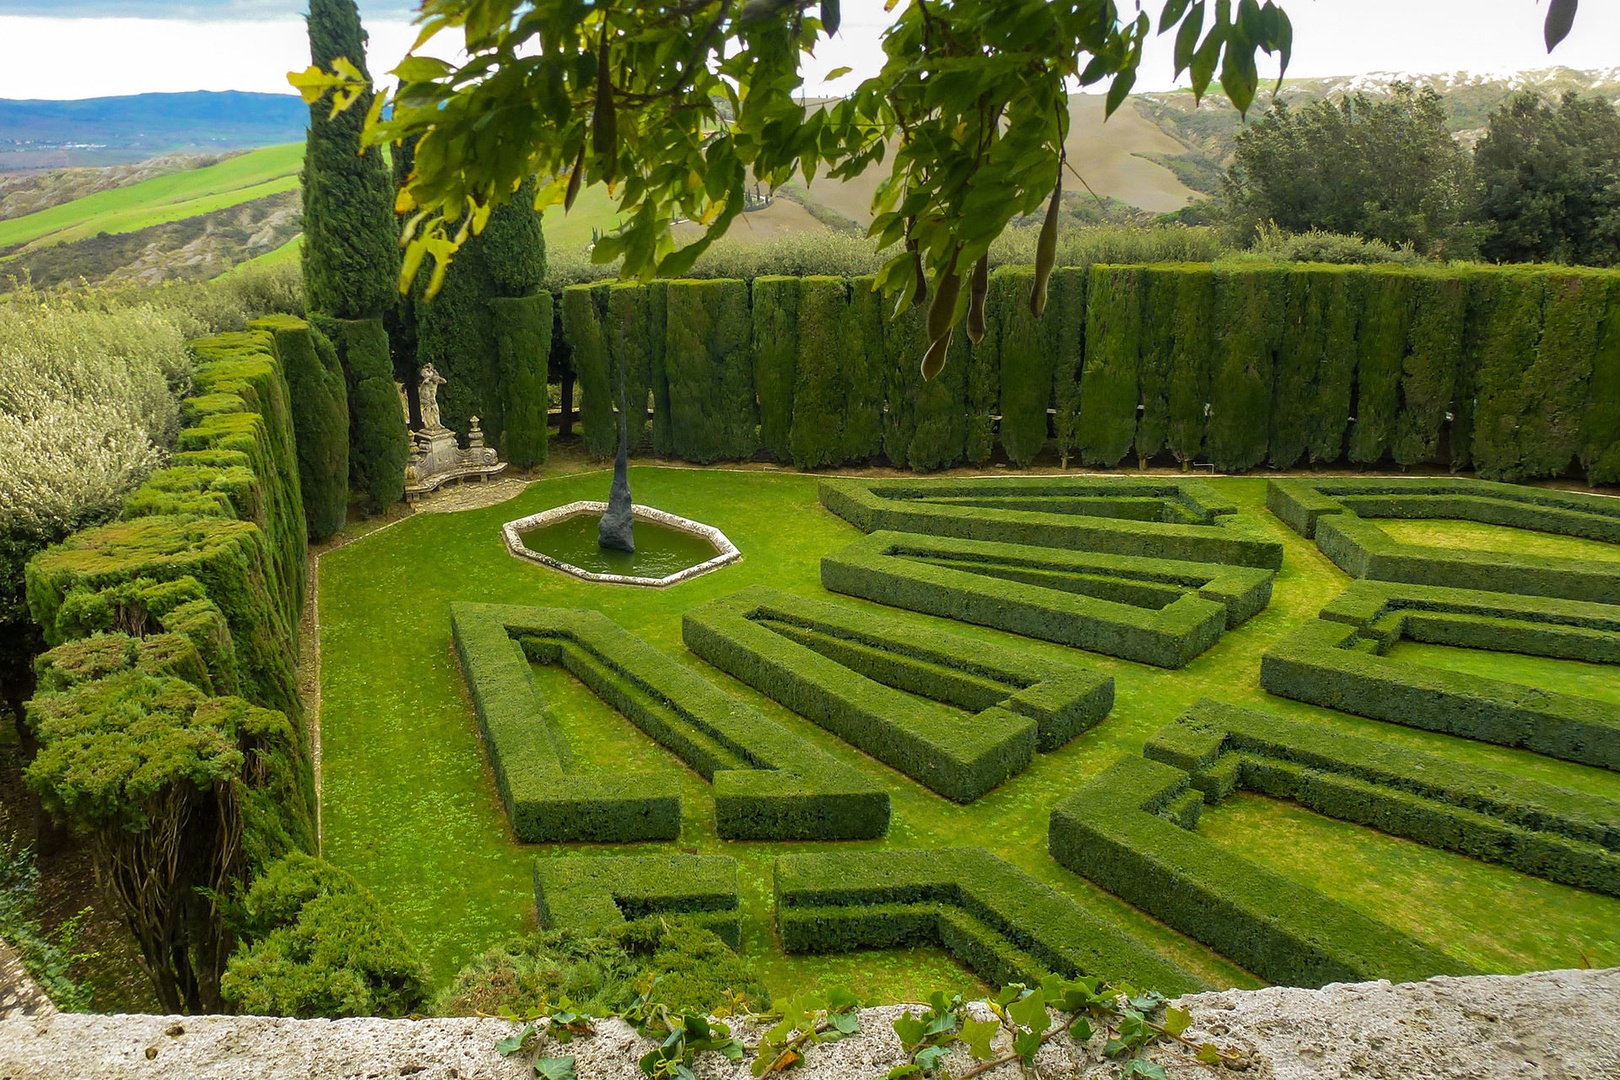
column 669, row 548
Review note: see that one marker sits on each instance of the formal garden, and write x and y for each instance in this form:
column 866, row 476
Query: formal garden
column 1176, row 625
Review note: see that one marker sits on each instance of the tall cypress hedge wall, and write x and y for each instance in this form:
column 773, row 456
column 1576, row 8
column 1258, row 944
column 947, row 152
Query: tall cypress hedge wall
column 1513, row 369
column 379, row 441
column 1108, row 384
column 523, row 338
column 708, row 362
column 1247, row 329
column 630, row 333
column 776, row 360
column 1026, row 365
column 320, row 416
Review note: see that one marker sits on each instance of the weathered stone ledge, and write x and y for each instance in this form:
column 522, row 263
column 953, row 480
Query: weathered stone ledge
column 1549, row 1025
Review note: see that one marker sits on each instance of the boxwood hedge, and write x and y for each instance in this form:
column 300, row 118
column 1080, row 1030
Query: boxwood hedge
column 768, row 783
column 1340, row 515
column 956, row 715
column 1130, row 830
column 1154, row 611
column 591, row 893
column 1571, row 837
column 992, row 916
column 1162, row 519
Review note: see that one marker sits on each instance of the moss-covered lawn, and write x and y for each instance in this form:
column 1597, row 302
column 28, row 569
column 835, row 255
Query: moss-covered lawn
column 410, row 807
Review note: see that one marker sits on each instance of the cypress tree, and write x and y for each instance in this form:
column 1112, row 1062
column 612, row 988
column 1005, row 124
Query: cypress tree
column 863, row 364
column 1552, row 393
column 1109, row 390
column 933, row 425
column 1341, row 292
column 523, row 333
column 822, row 391
column 1380, row 354
column 1026, row 365
column 456, row 330
column 629, row 331
column 663, row 432
column 1507, row 307
column 1248, row 325
column 1299, row 358
column 1429, row 373
column 1065, row 335
column 378, row 441
column 1190, row 362
column 320, row 416
column 587, row 345
column 1601, row 423
column 776, row 355
column 1159, row 287
column 709, row 367
column 983, row 387
column 351, row 238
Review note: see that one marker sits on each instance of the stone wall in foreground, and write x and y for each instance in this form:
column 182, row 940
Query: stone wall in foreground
column 1549, row 1025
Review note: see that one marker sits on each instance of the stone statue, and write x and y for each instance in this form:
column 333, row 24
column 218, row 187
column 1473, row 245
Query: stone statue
column 404, row 402
column 616, row 529
column 431, row 381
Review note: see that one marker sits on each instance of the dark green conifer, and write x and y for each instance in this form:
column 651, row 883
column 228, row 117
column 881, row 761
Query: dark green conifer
column 351, row 238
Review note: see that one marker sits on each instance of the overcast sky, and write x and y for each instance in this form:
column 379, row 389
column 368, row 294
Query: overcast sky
column 92, row 48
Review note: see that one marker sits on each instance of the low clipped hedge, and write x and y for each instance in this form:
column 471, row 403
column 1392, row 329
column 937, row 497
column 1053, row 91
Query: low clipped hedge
column 1129, row 830
column 589, row 894
column 1338, row 665
column 1161, row 519
column 1566, row 836
column 1154, row 611
column 768, row 783
column 1340, row 515
column 989, row 914
column 956, row 715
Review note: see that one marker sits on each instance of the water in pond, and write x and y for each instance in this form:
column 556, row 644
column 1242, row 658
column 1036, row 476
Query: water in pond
column 660, row 550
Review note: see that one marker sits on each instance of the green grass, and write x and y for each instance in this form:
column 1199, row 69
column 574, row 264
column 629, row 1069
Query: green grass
column 239, row 179
column 410, row 807
column 1597, row 681
column 286, row 253
column 1471, row 535
column 571, row 231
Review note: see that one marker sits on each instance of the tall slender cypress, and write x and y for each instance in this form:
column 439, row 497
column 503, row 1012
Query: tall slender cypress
column 351, row 250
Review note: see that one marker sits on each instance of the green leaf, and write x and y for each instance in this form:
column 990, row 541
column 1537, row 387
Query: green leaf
column 837, row 73
column 1209, row 1053
column 513, row 1043
column 554, row 1068
column 930, row 1057
column 910, row 1029
column 903, row 1072
column 1148, row 1070
column 845, row 1023
column 1031, row 1012
column 1176, row 1021
column 1081, row 1029
column 1026, row 1044
column 977, row 1034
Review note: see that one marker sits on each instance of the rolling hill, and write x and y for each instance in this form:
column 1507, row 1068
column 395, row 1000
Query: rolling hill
column 193, row 216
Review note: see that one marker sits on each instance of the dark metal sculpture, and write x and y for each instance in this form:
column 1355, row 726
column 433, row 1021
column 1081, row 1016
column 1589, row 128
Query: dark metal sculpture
column 616, row 528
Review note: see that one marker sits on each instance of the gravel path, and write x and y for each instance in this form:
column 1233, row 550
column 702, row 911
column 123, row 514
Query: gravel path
column 1553, row 1025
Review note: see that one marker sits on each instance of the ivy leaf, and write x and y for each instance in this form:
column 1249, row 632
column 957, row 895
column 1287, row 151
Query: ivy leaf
column 845, row 1023
column 1176, row 1021
column 1209, row 1053
column 1026, row 1044
column 554, row 1068
column 1031, row 1012
column 977, row 1035
column 1148, row 1070
column 930, row 1057
column 910, row 1029
column 1081, row 1029
column 513, row 1043
column 903, row 1072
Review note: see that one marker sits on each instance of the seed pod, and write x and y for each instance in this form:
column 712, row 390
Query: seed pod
column 1046, row 252
column 919, row 288
column 933, row 361
column 604, row 123
column 981, row 288
column 829, row 17
column 942, row 312
column 574, row 179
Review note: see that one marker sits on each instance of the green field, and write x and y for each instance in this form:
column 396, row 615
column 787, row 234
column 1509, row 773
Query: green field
column 410, row 807
column 162, row 199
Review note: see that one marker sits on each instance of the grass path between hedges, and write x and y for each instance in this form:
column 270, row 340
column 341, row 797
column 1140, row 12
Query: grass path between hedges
column 410, row 806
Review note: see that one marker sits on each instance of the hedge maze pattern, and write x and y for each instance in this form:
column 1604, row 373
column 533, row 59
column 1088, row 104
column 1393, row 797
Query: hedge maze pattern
column 989, row 914
column 1154, row 611
column 1150, row 571
column 1130, row 830
column 588, row 893
column 768, row 783
column 1338, row 662
column 956, row 715
column 1181, row 519
column 1550, row 832
column 1339, row 516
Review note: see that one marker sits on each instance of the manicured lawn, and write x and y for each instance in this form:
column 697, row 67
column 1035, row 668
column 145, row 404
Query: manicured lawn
column 410, row 807
column 1445, row 532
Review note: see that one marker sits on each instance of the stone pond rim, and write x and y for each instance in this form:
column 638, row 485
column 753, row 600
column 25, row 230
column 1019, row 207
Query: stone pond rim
column 725, row 552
